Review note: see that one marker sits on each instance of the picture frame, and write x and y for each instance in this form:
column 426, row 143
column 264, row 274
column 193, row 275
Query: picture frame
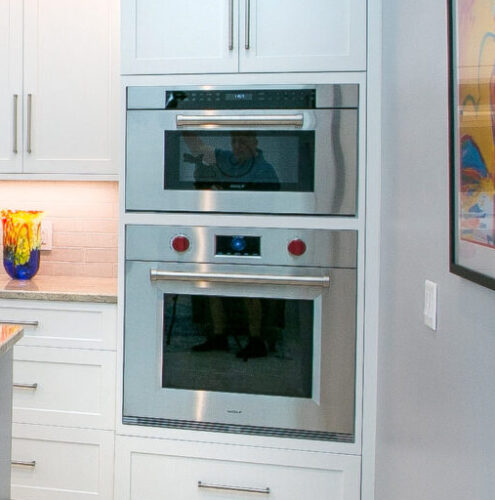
column 472, row 140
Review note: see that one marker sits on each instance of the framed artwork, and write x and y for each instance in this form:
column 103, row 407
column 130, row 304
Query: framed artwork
column 472, row 139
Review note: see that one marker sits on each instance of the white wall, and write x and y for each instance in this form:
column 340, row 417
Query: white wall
column 436, row 393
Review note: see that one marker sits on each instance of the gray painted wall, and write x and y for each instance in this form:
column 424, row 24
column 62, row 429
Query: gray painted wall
column 436, row 392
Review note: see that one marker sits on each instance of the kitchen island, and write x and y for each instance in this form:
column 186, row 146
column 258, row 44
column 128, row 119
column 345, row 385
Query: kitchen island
column 9, row 335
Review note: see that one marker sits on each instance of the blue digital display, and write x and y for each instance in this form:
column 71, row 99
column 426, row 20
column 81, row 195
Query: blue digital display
column 239, row 96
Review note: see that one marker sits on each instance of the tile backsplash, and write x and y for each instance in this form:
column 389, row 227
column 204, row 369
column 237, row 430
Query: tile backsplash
column 84, row 216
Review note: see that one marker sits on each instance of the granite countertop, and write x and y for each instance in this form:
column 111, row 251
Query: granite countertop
column 61, row 288
column 9, row 335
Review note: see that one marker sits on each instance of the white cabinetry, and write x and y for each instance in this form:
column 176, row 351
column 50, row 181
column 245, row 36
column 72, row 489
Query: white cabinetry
column 59, row 87
column 153, row 469
column 226, row 36
column 64, row 400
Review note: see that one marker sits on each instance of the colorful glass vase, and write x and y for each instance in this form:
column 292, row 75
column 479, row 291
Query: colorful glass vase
column 21, row 242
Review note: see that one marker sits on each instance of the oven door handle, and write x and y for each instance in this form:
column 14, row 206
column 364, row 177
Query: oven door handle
column 252, row 279
column 293, row 119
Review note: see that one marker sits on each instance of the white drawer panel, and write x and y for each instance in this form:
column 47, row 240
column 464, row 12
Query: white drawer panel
column 64, row 324
column 155, row 475
column 71, row 464
column 74, row 388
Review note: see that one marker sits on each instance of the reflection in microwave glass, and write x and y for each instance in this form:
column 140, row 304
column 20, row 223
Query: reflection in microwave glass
column 248, row 345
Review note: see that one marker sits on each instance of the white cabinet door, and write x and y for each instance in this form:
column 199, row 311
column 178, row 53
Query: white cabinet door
column 66, row 387
column 154, row 469
column 314, row 35
column 179, row 36
column 10, row 86
column 70, row 86
column 197, row 36
column 75, row 325
column 61, row 464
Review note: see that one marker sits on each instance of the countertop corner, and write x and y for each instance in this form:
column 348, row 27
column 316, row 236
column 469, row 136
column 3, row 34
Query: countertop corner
column 9, row 335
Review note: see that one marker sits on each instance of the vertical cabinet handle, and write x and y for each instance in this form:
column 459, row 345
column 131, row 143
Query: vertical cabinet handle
column 29, row 122
column 231, row 24
column 248, row 23
column 16, row 99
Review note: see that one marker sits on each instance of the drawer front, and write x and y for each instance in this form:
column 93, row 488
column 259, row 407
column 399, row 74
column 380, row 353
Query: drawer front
column 66, row 387
column 63, row 324
column 155, row 476
column 62, row 464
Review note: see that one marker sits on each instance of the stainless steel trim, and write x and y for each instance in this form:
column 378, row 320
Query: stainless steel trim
column 22, row 463
column 25, row 386
column 19, row 322
column 245, row 489
column 296, row 120
column 29, row 122
column 321, row 281
column 231, row 25
column 247, row 24
column 16, row 98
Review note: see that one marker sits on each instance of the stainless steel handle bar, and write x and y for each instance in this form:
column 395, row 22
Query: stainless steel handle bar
column 16, row 99
column 22, row 463
column 252, row 279
column 25, row 386
column 245, row 489
column 29, row 122
column 247, row 25
column 231, row 25
column 19, row 322
column 296, row 120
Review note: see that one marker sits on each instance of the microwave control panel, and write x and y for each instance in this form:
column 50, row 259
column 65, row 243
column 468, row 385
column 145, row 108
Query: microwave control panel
column 241, row 99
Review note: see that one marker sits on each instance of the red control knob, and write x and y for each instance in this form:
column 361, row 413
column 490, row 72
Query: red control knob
column 180, row 243
column 296, row 247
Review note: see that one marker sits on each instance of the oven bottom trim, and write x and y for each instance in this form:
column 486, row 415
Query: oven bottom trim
column 239, row 429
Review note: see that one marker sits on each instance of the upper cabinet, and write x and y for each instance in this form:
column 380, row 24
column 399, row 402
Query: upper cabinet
column 228, row 36
column 59, row 87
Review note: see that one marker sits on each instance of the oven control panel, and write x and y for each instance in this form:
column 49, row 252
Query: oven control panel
column 303, row 247
column 238, row 245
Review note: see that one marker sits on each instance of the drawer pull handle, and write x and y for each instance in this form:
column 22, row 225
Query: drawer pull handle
column 19, row 322
column 224, row 487
column 22, row 463
column 26, row 386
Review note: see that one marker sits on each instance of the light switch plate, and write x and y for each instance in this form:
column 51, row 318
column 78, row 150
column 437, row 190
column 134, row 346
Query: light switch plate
column 430, row 310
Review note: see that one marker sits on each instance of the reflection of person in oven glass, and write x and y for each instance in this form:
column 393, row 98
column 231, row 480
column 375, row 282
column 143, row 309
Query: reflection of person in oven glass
column 245, row 163
column 253, row 317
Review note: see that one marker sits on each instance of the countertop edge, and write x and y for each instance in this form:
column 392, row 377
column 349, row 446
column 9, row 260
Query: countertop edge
column 58, row 296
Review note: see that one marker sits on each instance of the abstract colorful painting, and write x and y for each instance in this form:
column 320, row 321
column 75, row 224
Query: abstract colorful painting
column 472, row 92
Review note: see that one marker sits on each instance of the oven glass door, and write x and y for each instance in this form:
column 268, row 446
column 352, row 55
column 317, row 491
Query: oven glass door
column 298, row 162
column 240, row 160
column 238, row 344
column 263, row 359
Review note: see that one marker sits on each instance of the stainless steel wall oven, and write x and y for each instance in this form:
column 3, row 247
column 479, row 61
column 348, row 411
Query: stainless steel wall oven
column 284, row 149
column 241, row 330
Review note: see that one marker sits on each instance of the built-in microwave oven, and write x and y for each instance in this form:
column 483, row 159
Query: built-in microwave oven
column 258, row 149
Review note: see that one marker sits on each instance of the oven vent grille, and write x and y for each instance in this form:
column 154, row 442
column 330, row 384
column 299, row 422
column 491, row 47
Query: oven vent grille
column 239, row 429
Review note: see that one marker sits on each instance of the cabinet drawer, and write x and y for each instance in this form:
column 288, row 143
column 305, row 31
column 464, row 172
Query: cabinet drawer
column 63, row 324
column 66, row 464
column 250, row 476
column 66, row 387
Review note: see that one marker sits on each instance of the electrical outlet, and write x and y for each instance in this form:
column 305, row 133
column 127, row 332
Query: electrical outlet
column 46, row 235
